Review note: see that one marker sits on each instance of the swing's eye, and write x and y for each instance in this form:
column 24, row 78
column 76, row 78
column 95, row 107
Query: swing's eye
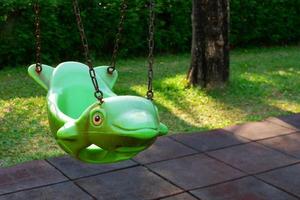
column 97, row 119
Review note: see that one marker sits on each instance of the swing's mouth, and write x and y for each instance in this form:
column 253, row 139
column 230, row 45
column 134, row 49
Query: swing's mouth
column 137, row 123
column 137, row 133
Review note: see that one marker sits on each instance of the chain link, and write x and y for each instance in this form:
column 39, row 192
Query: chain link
column 123, row 9
column 38, row 66
column 98, row 93
column 150, row 93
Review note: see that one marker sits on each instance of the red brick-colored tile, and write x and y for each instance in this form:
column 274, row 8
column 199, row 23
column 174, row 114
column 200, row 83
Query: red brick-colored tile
column 59, row 191
column 210, row 140
column 163, row 149
column 289, row 144
column 287, row 178
column 253, row 157
column 76, row 169
column 247, row 188
column 289, row 121
column 128, row 184
column 195, row 171
column 28, row 175
column 259, row 130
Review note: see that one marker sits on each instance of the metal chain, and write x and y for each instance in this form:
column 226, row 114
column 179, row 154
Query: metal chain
column 150, row 93
column 98, row 93
column 123, row 9
column 38, row 66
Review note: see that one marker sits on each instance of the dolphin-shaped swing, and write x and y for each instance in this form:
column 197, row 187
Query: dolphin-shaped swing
column 105, row 129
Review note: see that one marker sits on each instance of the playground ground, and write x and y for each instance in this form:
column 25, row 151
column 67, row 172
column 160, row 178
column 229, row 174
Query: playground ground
column 253, row 161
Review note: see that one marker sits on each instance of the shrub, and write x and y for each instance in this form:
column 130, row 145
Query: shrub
column 253, row 22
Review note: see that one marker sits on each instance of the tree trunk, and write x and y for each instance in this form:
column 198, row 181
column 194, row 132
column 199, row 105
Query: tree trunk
column 210, row 46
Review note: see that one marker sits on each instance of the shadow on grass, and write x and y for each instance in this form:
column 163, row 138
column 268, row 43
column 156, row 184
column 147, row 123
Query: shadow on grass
column 254, row 102
column 252, row 98
column 15, row 83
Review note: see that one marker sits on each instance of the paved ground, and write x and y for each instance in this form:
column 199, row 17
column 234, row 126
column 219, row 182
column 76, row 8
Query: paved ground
column 254, row 161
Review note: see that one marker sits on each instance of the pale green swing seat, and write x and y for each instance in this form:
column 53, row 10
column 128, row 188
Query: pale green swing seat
column 90, row 130
column 116, row 130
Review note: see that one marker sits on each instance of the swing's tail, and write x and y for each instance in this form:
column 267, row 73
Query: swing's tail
column 44, row 77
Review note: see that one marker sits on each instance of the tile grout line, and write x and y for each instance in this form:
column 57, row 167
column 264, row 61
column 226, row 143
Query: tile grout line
column 168, row 196
column 167, row 180
column 273, row 137
column 107, row 172
column 277, row 168
column 228, row 165
column 293, row 131
column 163, row 160
column 57, row 169
column 173, row 195
column 35, row 187
column 268, row 120
column 82, row 189
column 267, row 138
column 261, row 172
column 220, row 183
column 258, row 142
column 220, row 148
column 189, row 192
column 277, row 150
column 277, row 187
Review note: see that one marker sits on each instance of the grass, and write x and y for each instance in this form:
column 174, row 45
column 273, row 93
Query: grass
column 263, row 83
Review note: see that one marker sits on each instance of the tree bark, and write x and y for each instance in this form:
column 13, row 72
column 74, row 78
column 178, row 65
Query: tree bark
column 210, row 46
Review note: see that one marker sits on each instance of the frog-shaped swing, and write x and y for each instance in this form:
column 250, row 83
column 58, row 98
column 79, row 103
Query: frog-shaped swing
column 90, row 122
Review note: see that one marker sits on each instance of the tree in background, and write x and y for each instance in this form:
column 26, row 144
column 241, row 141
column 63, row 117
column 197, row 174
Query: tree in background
column 210, row 46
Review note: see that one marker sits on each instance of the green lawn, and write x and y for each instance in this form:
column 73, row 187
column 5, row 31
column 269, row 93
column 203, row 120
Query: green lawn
column 264, row 82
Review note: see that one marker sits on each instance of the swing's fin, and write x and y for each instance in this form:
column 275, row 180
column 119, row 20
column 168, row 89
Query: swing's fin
column 43, row 78
column 109, row 79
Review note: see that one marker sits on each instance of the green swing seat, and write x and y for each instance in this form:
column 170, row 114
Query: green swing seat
column 116, row 130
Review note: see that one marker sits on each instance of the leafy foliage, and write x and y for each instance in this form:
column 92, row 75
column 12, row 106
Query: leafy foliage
column 265, row 22
column 252, row 22
column 60, row 37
